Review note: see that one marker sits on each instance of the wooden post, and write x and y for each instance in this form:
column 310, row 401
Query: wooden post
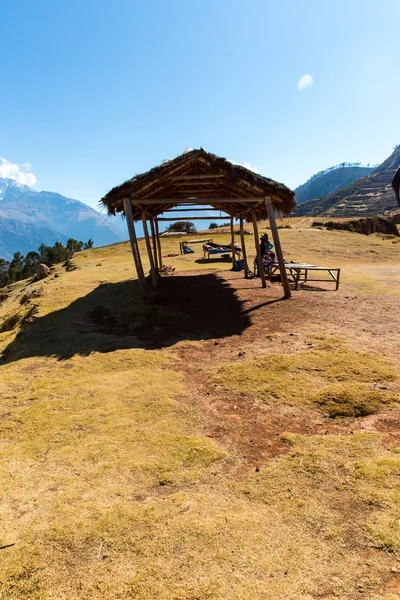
column 278, row 248
column 246, row 273
column 154, row 275
column 153, row 241
column 158, row 244
column 233, row 244
column 259, row 257
column 135, row 247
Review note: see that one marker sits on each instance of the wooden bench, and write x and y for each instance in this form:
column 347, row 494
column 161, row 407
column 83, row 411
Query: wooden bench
column 187, row 243
column 207, row 250
column 299, row 272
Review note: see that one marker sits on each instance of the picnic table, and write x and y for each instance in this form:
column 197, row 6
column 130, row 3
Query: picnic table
column 299, row 272
column 220, row 249
column 186, row 243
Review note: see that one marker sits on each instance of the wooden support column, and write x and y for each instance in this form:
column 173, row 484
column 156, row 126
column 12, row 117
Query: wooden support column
column 259, row 257
column 233, row 244
column 246, row 272
column 158, row 244
column 153, row 241
column 135, row 247
column 278, row 248
column 154, row 275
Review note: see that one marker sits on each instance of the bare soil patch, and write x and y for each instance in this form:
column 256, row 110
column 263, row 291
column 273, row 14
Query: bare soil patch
column 367, row 322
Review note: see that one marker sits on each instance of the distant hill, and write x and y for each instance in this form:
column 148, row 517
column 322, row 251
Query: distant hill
column 23, row 237
column 27, row 215
column 330, row 180
column 369, row 195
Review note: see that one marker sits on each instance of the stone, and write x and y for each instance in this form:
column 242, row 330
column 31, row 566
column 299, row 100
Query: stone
column 42, row 271
column 37, row 292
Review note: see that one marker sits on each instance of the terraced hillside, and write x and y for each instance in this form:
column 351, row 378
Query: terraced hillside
column 367, row 196
column 328, row 181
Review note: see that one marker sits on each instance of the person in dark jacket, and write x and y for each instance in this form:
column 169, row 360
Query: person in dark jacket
column 267, row 255
column 266, row 248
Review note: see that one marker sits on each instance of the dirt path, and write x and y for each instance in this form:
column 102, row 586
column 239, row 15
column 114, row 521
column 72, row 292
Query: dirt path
column 369, row 322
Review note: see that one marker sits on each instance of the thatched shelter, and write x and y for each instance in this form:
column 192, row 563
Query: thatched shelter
column 200, row 175
column 200, row 180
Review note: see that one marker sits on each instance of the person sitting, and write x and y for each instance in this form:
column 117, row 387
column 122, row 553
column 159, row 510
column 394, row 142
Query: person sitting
column 266, row 246
column 267, row 255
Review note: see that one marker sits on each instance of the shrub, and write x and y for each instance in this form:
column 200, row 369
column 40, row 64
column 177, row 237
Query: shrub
column 25, row 298
column 10, row 322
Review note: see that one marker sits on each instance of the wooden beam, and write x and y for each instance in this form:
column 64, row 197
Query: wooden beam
column 246, row 272
column 203, row 183
column 184, row 177
column 135, row 247
column 278, row 248
column 195, row 200
column 233, row 244
column 154, row 275
column 153, row 240
column 178, row 210
column 203, row 218
column 158, row 244
column 259, row 257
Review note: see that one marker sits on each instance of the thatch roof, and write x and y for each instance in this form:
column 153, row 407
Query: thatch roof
column 199, row 177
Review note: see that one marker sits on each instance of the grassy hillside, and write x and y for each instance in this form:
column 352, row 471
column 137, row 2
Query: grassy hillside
column 221, row 444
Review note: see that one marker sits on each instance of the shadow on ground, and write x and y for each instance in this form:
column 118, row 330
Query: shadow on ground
column 111, row 318
column 210, row 261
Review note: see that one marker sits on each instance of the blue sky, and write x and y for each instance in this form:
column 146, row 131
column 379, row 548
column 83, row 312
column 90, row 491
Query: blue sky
column 95, row 91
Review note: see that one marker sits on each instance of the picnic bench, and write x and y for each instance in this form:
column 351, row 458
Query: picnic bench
column 186, row 243
column 220, row 249
column 299, row 273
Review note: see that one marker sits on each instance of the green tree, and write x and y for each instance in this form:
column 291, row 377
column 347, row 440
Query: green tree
column 31, row 260
column 59, row 253
column 22, row 267
column 44, row 253
column 4, row 266
column 16, row 267
column 183, row 227
column 74, row 245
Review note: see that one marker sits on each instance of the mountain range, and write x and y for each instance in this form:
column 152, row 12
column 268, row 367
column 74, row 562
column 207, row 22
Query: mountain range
column 29, row 218
column 364, row 196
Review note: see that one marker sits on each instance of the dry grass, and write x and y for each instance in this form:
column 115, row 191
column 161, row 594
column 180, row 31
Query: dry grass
column 81, row 442
column 301, row 527
column 112, row 489
column 329, row 375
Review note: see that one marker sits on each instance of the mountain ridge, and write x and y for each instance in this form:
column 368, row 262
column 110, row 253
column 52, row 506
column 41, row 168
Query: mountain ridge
column 49, row 211
column 26, row 236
